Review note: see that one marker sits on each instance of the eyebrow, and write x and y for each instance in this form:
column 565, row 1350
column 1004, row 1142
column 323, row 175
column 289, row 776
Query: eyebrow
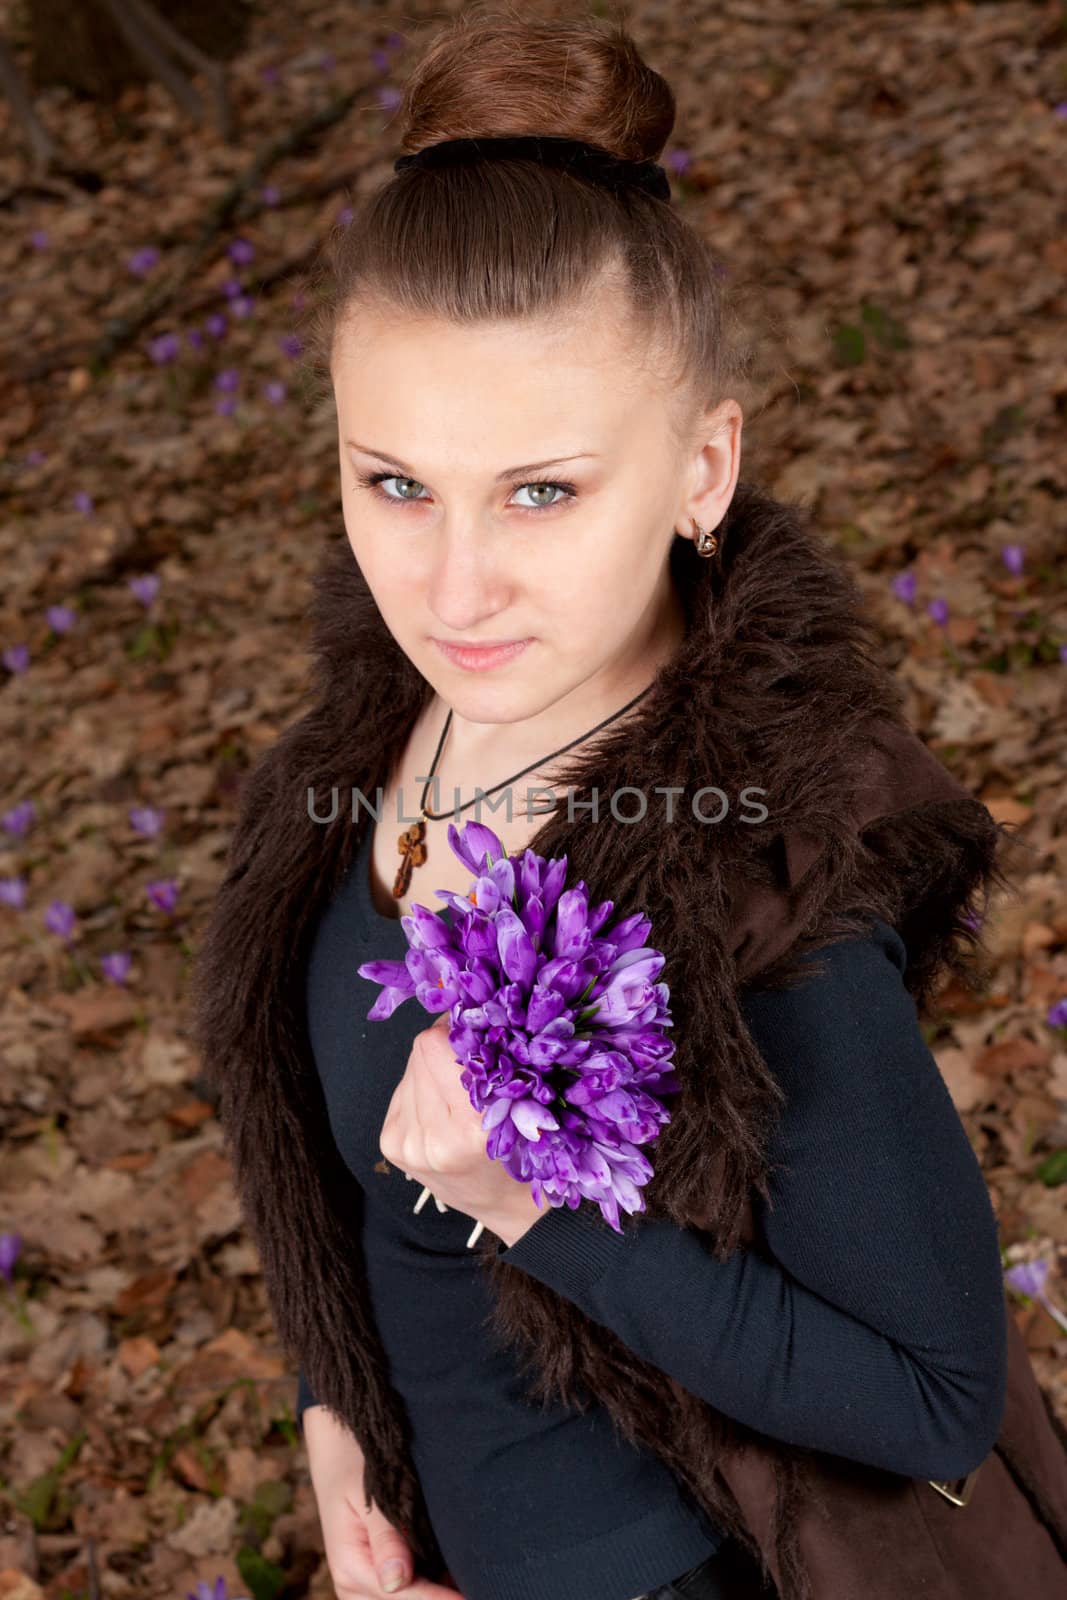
column 509, row 472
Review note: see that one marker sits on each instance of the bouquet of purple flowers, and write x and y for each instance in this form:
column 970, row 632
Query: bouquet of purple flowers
column 556, row 1020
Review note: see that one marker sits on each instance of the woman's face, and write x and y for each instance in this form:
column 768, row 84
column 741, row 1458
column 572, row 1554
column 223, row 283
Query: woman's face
column 570, row 552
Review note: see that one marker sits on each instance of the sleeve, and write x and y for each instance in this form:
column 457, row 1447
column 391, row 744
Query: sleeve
column 876, row 1328
column 304, row 1398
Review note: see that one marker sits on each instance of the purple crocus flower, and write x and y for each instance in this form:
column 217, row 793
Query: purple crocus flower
column 903, row 586
column 82, row 502
column 116, row 965
column 557, row 1021
column 216, row 325
column 34, row 458
column 275, row 392
column 194, row 339
column 165, row 347
column 163, row 893
column 1057, row 1015
column 1063, row 652
column 215, row 1591
column 39, row 239
column 394, row 41
column 380, row 59
column 228, row 379
column 232, row 288
column 1013, row 556
column 241, row 306
column 389, row 97
column 269, row 74
column 678, row 160
column 270, row 194
column 241, row 251
column 145, row 587
column 17, row 658
column 59, row 918
column 938, row 609
column 13, row 892
column 20, row 818
column 146, row 820
column 344, row 216
column 1029, row 1278
column 226, row 406
column 10, row 1245
column 142, row 261
column 291, row 344
column 1060, row 109
column 61, row 618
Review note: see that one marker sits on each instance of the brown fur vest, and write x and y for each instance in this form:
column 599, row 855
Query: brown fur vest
column 776, row 686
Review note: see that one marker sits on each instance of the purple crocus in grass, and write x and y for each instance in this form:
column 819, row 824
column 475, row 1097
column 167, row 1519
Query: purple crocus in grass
column 10, row 1245
column 142, row 261
column 270, row 194
column 1013, row 556
column 116, row 965
column 938, row 609
column 215, row 1591
column 241, row 251
column 275, row 392
column 13, row 892
column 17, row 658
column 216, row 325
column 389, row 97
column 165, row 347
column 1029, row 1278
column 903, row 586
column 556, row 1020
column 678, row 160
column 1057, row 1015
column 163, row 893
column 145, row 587
column 39, row 239
column 228, row 379
column 82, row 502
column 20, row 818
column 61, row 618
column 146, row 820
column 60, row 919
column 291, row 345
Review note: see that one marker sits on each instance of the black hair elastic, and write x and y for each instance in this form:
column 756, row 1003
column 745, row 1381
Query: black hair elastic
column 574, row 155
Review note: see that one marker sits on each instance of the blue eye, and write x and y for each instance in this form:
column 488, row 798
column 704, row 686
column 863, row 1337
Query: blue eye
column 371, row 480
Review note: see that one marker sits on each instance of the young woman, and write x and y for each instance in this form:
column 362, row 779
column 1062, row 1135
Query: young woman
column 791, row 1371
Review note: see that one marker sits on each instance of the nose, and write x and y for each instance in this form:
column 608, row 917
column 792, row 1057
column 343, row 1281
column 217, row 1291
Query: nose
column 466, row 585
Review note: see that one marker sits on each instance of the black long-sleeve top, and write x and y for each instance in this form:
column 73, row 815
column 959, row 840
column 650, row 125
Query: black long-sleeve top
column 876, row 1331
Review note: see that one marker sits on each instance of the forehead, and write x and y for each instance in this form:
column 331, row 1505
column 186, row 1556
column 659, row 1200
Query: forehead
column 404, row 373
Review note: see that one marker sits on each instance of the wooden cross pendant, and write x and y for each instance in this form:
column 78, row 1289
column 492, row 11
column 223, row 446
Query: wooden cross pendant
column 413, row 854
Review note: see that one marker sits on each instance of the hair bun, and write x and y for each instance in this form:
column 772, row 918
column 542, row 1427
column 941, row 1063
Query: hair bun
column 493, row 69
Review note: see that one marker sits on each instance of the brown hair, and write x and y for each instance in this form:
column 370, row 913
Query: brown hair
column 514, row 239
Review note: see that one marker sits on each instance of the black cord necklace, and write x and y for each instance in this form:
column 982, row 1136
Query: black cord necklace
column 412, row 843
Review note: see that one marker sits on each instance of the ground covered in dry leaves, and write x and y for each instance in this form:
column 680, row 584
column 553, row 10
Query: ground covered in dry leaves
column 888, row 175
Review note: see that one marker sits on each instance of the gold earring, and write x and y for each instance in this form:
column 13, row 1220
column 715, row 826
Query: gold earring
column 706, row 543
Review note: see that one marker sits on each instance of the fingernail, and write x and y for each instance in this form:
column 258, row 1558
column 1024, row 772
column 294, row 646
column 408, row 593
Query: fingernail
column 392, row 1576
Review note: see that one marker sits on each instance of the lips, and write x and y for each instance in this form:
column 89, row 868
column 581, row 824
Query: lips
column 480, row 658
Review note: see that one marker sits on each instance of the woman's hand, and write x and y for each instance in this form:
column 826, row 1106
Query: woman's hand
column 433, row 1133
column 360, row 1544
